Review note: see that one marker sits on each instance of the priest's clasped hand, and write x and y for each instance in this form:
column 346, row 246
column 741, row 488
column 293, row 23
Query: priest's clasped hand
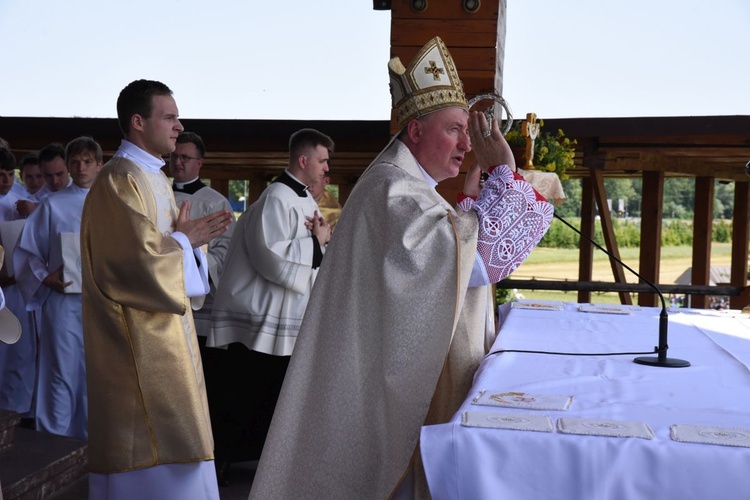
column 202, row 230
column 319, row 227
column 488, row 143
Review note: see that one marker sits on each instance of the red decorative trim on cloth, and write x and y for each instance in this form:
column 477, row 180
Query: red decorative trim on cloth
column 513, row 218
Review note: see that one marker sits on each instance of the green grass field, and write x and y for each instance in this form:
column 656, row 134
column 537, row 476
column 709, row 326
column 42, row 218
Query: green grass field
column 562, row 264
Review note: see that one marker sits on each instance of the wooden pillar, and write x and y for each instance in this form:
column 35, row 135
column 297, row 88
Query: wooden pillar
column 652, row 208
column 586, row 249
column 740, row 237
column 256, row 183
column 610, row 241
column 702, row 229
column 221, row 185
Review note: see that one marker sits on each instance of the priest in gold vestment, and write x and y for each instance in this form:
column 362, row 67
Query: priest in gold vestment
column 142, row 262
column 396, row 324
column 328, row 205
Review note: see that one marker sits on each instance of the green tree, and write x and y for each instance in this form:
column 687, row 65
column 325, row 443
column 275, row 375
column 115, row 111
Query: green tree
column 723, row 200
column 571, row 207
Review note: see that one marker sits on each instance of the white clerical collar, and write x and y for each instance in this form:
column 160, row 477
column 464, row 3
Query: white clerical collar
column 293, row 177
column 141, row 157
column 180, row 185
column 427, row 177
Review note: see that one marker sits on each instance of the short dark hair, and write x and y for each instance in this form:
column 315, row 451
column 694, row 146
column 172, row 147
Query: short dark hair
column 135, row 99
column 83, row 144
column 7, row 160
column 307, row 138
column 51, row 151
column 28, row 159
column 192, row 137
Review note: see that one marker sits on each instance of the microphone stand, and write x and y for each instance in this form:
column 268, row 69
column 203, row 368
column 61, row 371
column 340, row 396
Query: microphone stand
column 661, row 358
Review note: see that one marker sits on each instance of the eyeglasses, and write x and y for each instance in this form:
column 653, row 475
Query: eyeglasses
column 183, row 158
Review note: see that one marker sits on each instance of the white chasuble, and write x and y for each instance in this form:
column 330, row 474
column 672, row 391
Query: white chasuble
column 390, row 341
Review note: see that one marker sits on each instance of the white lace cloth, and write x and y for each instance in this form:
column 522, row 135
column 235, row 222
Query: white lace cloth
column 547, row 183
column 512, row 221
column 706, row 434
column 511, row 421
column 523, row 400
column 600, row 427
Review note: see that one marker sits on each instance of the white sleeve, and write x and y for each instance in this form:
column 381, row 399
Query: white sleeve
column 195, row 269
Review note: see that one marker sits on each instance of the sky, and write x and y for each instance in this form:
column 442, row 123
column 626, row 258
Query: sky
column 326, row 59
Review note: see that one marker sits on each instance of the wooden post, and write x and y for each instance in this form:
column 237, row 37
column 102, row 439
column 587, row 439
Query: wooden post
column 702, row 229
column 740, row 236
column 586, row 249
column 651, row 216
column 607, row 231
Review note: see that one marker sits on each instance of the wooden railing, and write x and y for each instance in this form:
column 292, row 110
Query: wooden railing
column 601, row 286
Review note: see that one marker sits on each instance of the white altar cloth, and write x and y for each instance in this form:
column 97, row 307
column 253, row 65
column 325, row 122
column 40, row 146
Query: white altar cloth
column 482, row 463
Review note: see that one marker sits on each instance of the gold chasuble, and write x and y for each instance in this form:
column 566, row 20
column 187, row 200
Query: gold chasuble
column 329, row 208
column 369, row 359
column 146, row 393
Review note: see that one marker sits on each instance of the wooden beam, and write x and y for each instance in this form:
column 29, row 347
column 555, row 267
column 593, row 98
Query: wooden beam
column 651, row 216
column 740, row 239
column 454, row 32
column 608, row 232
column 440, row 9
column 586, row 249
column 702, row 229
column 603, row 286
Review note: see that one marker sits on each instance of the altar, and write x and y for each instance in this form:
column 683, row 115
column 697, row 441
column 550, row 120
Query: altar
column 663, row 408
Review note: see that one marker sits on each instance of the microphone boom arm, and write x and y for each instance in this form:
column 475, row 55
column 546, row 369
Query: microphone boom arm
column 661, row 359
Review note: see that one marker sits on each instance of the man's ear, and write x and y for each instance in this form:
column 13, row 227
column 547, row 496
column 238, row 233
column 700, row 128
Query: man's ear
column 414, row 131
column 302, row 162
column 137, row 122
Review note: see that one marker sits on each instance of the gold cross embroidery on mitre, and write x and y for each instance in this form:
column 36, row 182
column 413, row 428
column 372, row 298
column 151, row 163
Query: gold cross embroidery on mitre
column 436, row 72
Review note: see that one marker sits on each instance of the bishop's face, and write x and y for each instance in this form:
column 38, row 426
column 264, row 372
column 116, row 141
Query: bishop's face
column 444, row 140
column 160, row 130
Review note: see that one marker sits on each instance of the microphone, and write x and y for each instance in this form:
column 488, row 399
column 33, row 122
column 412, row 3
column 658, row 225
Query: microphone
column 661, row 358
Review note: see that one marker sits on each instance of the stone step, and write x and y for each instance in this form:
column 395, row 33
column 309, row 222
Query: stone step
column 8, row 422
column 38, row 464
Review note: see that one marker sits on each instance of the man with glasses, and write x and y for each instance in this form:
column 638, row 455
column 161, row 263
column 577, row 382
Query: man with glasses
column 185, row 164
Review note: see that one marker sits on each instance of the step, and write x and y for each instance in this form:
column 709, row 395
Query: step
column 8, row 422
column 39, row 464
